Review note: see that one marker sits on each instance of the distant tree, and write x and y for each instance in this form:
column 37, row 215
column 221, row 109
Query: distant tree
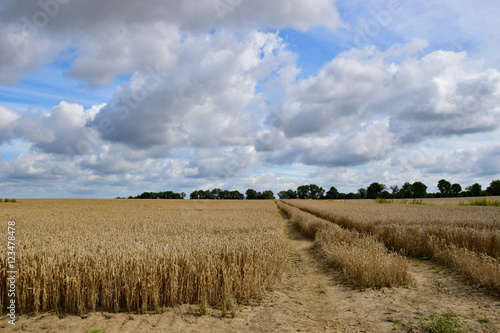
column 394, row 190
column 224, row 194
column 312, row 191
column 207, row 194
column 406, row 191
column 288, row 194
column 444, row 187
column 216, row 193
column 332, row 193
column 159, row 195
column 374, row 190
column 316, row 192
column 362, row 193
column 419, row 190
column 474, row 190
column 385, row 194
column 456, row 189
column 267, row 195
column 198, row 194
column 303, row 191
column 494, row 188
column 236, row 195
column 251, row 194
column 183, row 195
column 350, row 195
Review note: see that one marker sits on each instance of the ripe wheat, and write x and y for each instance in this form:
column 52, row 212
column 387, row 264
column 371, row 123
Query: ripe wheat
column 467, row 238
column 361, row 257
column 142, row 255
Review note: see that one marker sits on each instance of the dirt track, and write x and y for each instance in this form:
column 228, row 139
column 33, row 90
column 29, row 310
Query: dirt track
column 311, row 298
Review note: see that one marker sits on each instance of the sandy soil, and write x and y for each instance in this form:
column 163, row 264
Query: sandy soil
column 311, row 298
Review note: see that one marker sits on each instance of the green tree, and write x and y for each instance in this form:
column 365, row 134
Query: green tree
column 332, row 193
column 362, row 193
column 303, row 191
column 474, row 190
column 224, row 194
column 267, row 195
column 374, row 190
column 406, row 190
column 395, row 190
column 444, row 187
column 456, row 189
column 289, row 194
column 235, row 195
column 385, row 194
column 349, row 195
column 216, row 193
column 419, row 190
column 494, row 188
column 251, row 194
column 316, row 192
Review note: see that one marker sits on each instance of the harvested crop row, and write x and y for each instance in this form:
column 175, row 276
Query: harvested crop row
column 142, row 255
column 411, row 227
column 362, row 258
column 470, row 251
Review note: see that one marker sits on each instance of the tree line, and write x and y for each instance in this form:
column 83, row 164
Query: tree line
column 159, row 195
column 218, row 194
column 407, row 190
column 373, row 191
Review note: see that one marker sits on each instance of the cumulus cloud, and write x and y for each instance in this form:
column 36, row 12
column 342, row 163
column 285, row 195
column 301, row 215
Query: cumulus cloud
column 360, row 108
column 202, row 102
column 335, row 113
column 120, row 37
column 7, row 120
column 220, row 163
column 487, row 161
column 62, row 131
column 482, row 161
column 29, row 166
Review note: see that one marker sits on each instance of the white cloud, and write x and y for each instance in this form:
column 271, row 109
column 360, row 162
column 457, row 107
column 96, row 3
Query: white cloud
column 331, row 118
column 119, row 38
column 102, row 58
column 7, row 121
column 199, row 104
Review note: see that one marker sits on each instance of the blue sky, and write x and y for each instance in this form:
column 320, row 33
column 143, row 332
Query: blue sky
column 106, row 100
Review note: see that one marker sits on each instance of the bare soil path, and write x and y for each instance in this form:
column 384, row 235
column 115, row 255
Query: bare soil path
column 311, row 298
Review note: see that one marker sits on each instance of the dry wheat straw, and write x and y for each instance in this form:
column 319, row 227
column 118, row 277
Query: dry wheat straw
column 361, row 257
column 466, row 238
column 142, row 255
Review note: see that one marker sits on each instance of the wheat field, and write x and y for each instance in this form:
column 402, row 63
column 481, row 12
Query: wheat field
column 363, row 259
column 142, row 255
column 79, row 256
column 464, row 237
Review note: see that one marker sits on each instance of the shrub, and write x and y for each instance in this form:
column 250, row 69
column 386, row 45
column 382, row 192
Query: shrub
column 481, row 202
column 437, row 323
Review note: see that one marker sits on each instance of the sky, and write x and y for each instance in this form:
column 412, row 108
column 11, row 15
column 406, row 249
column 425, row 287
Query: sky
column 100, row 99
